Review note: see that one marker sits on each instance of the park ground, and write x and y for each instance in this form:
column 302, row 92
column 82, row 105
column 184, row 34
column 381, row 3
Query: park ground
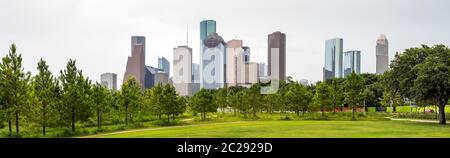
column 371, row 125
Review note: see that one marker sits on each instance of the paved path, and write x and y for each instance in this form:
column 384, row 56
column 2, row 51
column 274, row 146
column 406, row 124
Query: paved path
column 158, row 128
column 413, row 120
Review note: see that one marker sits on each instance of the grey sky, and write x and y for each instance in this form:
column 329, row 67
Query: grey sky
column 97, row 32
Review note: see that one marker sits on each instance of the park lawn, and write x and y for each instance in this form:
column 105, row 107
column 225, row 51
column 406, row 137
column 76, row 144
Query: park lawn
column 293, row 129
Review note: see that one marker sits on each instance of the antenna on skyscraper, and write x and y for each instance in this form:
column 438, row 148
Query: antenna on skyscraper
column 187, row 35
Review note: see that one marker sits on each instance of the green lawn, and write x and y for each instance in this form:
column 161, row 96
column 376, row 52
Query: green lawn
column 293, row 129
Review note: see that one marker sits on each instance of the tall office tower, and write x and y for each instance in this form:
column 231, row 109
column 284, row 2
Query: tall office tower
column 352, row 62
column 164, row 64
column 109, row 80
column 333, row 58
column 136, row 62
column 182, row 70
column 382, row 54
column 234, row 47
column 261, row 69
column 207, row 27
column 277, row 55
column 243, row 67
column 212, row 62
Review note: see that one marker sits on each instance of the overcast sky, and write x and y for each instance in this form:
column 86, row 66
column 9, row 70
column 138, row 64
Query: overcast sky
column 97, row 33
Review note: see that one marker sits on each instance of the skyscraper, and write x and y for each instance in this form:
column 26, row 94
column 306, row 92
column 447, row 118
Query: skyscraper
column 352, row 62
column 136, row 62
column 182, row 70
column 333, row 58
column 195, row 73
column 207, row 27
column 164, row 64
column 234, row 48
column 277, row 54
column 261, row 69
column 212, row 62
column 109, row 80
column 382, row 54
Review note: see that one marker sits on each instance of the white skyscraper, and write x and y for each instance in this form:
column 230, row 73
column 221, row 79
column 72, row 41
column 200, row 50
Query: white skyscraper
column 382, row 54
column 109, row 80
column 182, row 70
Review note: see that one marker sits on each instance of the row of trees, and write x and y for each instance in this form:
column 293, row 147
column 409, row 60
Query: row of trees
column 47, row 101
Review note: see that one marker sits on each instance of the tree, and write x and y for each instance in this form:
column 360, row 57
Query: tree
column 130, row 98
column 433, row 79
column 337, row 92
column 169, row 101
column 45, row 91
column 101, row 101
column 353, row 86
column 15, row 85
column 203, row 103
column 220, row 97
column 422, row 74
column 298, row 98
column 322, row 97
column 75, row 94
column 254, row 98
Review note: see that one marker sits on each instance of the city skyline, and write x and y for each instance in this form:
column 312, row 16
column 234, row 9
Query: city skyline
column 87, row 31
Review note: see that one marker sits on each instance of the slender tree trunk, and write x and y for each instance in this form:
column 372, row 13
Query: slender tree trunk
column 168, row 117
column 126, row 116
column 17, row 123
column 43, row 125
column 334, row 108
column 73, row 119
column 442, row 119
column 159, row 116
column 98, row 119
column 10, row 126
column 353, row 112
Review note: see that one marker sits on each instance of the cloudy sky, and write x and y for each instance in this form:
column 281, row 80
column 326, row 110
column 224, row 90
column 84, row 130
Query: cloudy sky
column 97, row 32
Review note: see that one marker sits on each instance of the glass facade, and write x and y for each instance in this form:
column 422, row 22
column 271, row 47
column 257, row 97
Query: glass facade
column 207, row 27
column 333, row 58
column 164, row 64
column 352, row 62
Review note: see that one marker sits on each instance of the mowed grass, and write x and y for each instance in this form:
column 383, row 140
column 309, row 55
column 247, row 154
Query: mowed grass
column 293, row 129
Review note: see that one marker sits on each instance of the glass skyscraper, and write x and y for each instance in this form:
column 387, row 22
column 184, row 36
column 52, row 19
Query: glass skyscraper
column 352, row 62
column 164, row 64
column 207, row 27
column 333, row 58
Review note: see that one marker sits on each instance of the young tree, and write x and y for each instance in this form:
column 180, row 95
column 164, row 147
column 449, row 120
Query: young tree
column 45, row 91
column 353, row 86
column 130, row 98
column 101, row 101
column 254, row 98
column 15, row 85
column 322, row 97
column 221, row 98
column 337, row 92
column 169, row 101
column 75, row 94
column 298, row 98
column 203, row 103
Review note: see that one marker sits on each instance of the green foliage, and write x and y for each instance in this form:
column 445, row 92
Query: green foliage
column 15, row 88
column 75, row 95
column 322, row 98
column 130, row 99
column 353, row 87
column 298, row 98
column 101, row 97
column 202, row 102
column 422, row 74
column 46, row 95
